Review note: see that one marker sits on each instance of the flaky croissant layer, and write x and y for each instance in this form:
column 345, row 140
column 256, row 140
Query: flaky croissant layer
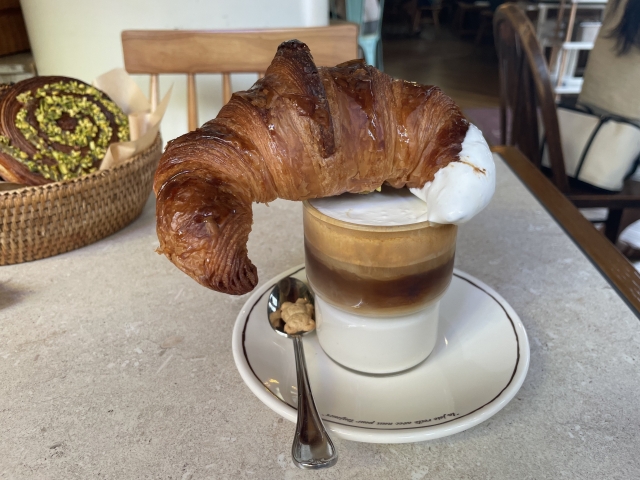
column 300, row 132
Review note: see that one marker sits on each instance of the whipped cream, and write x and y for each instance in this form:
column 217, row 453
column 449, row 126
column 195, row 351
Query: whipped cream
column 458, row 192
column 462, row 189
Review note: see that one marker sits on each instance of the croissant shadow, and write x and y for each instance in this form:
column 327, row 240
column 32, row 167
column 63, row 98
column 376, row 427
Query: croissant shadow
column 11, row 295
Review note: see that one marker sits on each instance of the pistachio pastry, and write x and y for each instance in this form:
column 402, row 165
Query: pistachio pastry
column 4, row 87
column 56, row 128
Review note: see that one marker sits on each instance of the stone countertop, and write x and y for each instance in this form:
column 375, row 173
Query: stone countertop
column 116, row 365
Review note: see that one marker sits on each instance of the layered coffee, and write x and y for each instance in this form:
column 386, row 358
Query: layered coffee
column 375, row 255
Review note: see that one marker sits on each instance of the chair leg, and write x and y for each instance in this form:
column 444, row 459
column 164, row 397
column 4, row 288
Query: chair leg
column 458, row 18
column 436, row 17
column 369, row 49
column 481, row 29
column 417, row 17
column 612, row 225
column 449, row 8
column 629, row 216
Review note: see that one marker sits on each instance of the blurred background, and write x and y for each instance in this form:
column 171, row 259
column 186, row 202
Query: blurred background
column 449, row 43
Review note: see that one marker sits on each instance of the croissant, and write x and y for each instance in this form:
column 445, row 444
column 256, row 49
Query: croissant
column 300, row 132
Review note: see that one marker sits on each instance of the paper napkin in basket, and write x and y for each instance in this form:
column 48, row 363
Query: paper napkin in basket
column 143, row 123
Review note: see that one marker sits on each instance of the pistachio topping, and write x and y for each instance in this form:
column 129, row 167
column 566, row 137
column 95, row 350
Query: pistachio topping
column 65, row 122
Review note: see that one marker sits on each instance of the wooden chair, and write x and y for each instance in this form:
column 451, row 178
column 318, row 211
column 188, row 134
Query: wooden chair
column 463, row 11
column 156, row 52
column 527, row 100
column 486, row 20
column 434, row 9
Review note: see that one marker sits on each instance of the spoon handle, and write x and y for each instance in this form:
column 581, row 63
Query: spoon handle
column 312, row 447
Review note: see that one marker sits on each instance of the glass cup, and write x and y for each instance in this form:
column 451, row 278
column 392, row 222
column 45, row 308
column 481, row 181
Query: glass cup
column 377, row 289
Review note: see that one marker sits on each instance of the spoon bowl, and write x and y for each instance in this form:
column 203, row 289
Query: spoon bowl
column 312, row 447
column 289, row 289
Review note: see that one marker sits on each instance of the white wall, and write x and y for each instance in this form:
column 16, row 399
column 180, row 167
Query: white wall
column 81, row 39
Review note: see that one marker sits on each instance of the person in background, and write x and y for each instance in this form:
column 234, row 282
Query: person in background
column 612, row 87
column 612, row 76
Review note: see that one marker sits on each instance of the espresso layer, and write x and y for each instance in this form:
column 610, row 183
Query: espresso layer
column 377, row 246
column 379, row 290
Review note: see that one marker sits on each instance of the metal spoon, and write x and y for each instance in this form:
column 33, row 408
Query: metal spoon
column 312, row 447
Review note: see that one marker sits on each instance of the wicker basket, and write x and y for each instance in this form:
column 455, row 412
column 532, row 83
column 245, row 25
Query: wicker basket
column 39, row 222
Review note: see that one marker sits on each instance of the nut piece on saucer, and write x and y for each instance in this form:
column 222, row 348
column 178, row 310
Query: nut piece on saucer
column 298, row 317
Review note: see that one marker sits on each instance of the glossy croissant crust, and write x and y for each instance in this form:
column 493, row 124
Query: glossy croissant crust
column 300, row 132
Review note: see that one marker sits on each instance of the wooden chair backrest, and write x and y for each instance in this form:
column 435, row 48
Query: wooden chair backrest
column 526, row 94
column 156, row 52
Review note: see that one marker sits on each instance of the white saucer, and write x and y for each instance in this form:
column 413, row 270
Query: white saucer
column 478, row 365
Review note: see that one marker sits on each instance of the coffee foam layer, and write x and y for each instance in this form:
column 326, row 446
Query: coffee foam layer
column 390, row 207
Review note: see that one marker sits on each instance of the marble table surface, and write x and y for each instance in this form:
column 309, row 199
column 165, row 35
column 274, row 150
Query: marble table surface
column 115, row 365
